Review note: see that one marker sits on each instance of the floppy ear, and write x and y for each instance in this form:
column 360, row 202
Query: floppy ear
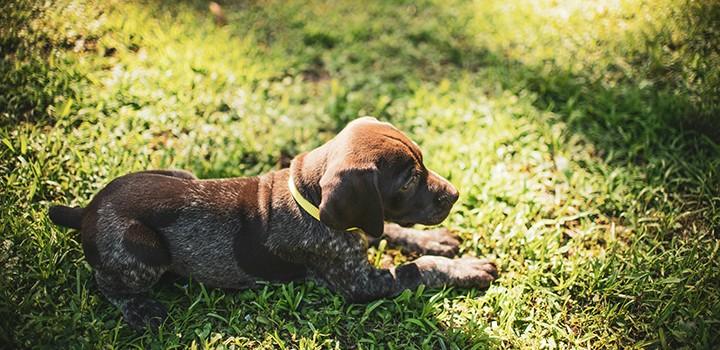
column 351, row 198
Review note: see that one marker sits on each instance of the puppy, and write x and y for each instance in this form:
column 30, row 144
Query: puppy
column 306, row 222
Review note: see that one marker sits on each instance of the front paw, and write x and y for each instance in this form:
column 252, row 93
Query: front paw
column 437, row 242
column 467, row 272
column 471, row 272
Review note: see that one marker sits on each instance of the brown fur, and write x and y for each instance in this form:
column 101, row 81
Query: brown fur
column 233, row 233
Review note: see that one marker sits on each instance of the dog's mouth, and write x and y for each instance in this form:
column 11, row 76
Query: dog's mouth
column 429, row 220
column 405, row 224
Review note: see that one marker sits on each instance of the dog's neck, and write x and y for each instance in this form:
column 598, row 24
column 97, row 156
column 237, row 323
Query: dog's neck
column 306, row 170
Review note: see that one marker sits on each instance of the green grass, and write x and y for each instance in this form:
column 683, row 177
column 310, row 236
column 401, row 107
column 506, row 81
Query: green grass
column 583, row 139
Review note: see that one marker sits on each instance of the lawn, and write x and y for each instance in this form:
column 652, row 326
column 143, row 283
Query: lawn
column 583, row 137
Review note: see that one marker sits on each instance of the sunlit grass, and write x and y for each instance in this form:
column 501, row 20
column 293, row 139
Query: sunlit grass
column 564, row 124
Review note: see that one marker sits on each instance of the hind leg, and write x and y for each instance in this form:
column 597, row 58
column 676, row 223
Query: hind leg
column 129, row 267
column 127, row 290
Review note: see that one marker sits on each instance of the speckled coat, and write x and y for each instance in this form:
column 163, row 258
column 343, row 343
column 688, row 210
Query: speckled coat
column 232, row 233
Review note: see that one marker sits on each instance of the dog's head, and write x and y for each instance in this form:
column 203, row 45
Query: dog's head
column 374, row 173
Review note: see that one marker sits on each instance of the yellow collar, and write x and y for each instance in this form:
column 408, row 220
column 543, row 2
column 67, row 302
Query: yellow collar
column 305, row 204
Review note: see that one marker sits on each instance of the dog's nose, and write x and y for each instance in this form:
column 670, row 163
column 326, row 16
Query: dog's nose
column 449, row 196
column 454, row 195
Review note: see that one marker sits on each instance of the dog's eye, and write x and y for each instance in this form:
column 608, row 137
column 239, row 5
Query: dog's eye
column 410, row 182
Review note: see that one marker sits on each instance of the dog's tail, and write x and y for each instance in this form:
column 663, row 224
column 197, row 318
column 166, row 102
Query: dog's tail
column 66, row 216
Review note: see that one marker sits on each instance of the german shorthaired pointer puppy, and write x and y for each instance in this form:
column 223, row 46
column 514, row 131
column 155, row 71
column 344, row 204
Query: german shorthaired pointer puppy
column 308, row 221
